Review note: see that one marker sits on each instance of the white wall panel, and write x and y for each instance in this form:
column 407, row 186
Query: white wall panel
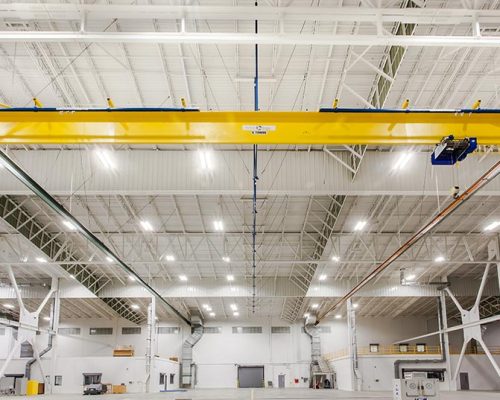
column 281, row 287
column 293, row 173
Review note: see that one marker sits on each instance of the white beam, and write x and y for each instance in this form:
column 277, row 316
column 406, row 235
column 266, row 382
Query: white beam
column 248, row 38
column 75, row 12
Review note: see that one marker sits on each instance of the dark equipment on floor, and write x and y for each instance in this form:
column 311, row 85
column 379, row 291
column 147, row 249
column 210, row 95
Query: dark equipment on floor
column 92, row 384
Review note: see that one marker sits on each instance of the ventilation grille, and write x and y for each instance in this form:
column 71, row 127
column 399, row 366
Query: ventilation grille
column 212, row 329
column 101, row 331
column 247, row 329
column 134, row 330
column 20, row 26
column 168, row 330
column 26, row 350
column 320, row 329
column 69, row 331
column 280, row 329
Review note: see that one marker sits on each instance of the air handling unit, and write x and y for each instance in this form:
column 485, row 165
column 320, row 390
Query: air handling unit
column 416, row 387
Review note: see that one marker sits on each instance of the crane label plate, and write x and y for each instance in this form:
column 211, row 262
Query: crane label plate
column 259, row 129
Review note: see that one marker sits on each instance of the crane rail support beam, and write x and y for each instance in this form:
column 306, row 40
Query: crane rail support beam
column 188, row 126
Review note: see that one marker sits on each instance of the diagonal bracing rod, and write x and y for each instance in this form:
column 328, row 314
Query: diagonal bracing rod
column 477, row 185
column 30, row 183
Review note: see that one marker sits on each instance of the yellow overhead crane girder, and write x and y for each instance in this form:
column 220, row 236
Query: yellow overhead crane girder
column 184, row 126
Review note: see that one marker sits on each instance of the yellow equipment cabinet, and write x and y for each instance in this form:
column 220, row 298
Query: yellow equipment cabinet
column 119, row 389
column 32, row 388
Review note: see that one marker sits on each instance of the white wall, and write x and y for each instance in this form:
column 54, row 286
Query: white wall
column 378, row 371
column 130, row 371
column 218, row 355
column 344, row 373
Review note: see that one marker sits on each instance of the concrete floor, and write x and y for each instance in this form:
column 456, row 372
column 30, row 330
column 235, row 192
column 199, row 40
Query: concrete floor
column 268, row 394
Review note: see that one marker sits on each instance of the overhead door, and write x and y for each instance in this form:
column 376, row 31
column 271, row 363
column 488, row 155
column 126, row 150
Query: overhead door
column 251, row 377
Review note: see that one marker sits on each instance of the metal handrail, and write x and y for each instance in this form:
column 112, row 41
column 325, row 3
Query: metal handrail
column 411, row 350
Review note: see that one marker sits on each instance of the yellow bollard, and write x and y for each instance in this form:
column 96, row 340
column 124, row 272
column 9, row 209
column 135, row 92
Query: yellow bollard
column 111, row 104
column 476, row 104
column 405, row 104
column 37, row 102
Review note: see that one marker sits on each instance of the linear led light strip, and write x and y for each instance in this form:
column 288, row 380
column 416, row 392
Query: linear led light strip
column 18, row 172
column 477, row 185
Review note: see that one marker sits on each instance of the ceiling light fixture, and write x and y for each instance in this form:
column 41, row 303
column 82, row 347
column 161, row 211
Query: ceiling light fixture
column 212, row 314
column 226, row 259
column 105, row 158
column 206, row 159
column 41, row 260
column 72, row 276
column 234, row 307
column 109, row 259
column 410, row 277
column 135, row 306
column 183, row 278
column 335, row 258
column 314, row 306
column 46, row 318
column 218, row 225
column 338, row 316
column 322, row 277
column 170, row 257
column 230, row 278
column 69, row 225
column 236, row 314
column 307, row 315
column 359, row 225
column 131, row 278
column 402, row 161
column 146, row 225
column 492, row 226
column 355, row 305
column 8, row 305
column 439, row 259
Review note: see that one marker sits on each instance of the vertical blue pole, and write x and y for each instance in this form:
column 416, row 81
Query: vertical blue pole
column 255, row 177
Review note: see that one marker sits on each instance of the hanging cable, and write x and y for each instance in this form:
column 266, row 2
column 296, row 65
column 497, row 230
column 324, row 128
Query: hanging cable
column 255, row 177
